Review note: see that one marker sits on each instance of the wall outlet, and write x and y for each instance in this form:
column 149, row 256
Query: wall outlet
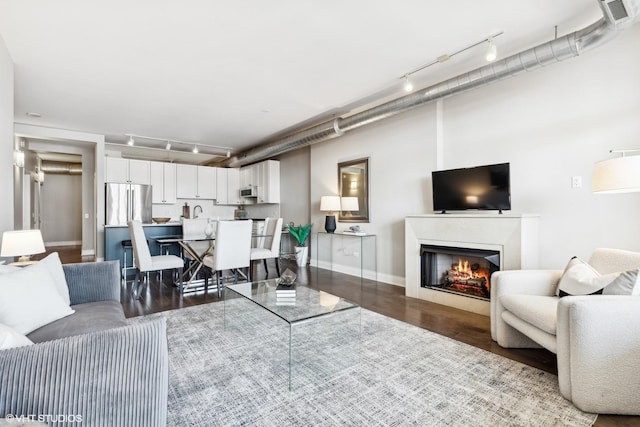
column 576, row 181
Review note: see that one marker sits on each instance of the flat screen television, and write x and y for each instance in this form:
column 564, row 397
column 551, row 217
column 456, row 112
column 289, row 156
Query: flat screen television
column 477, row 188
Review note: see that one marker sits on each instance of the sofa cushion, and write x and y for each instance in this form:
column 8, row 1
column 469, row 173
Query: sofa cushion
column 88, row 317
column 10, row 338
column 540, row 311
column 30, row 299
column 579, row 278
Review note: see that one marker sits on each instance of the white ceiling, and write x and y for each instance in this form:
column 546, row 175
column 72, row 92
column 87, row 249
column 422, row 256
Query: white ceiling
column 233, row 73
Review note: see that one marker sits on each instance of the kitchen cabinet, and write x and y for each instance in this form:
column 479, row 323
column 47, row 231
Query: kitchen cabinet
column 163, row 182
column 233, row 187
column 222, row 178
column 195, row 182
column 268, row 181
column 127, row 171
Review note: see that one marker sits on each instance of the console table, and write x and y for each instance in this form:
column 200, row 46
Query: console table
column 354, row 254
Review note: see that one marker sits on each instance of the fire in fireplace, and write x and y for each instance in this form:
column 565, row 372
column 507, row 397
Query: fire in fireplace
column 465, row 271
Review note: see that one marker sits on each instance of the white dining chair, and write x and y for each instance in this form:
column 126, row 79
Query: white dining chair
column 270, row 244
column 144, row 262
column 232, row 250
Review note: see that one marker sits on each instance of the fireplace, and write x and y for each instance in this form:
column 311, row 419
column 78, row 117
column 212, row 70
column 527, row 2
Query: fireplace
column 458, row 270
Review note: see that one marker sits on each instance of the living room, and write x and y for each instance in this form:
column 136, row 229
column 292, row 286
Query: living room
column 552, row 125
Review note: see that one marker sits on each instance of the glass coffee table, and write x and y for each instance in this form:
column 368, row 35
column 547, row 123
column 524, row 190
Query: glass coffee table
column 323, row 329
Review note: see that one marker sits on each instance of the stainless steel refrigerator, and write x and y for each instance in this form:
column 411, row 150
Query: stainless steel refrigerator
column 126, row 202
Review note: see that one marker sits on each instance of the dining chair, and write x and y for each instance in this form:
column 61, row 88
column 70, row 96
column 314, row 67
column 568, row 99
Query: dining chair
column 270, row 244
column 144, row 262
column 232, row 250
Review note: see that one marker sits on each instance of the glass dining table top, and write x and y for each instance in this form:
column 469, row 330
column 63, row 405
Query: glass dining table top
column 309, row 303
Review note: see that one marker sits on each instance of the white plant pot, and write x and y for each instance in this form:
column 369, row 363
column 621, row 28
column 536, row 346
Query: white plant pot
column 301, row 255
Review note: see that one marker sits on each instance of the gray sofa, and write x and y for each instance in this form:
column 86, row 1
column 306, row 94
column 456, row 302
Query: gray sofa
column 93, row 363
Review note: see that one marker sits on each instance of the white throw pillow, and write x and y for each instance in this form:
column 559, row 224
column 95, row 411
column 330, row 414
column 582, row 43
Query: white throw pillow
column 8, row 268
column 10, row 338
column 29, row 299
column 54, row 265
column 579, row 278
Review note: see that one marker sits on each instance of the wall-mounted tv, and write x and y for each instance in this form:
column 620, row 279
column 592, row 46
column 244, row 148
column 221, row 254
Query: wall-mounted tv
column 477, row 188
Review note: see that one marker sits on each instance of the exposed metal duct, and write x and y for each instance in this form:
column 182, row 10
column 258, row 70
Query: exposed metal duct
column 617, row 15
column 61, row 168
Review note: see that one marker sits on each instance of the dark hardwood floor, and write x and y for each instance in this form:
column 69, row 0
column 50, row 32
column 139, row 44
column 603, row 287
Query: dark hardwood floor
column 470, row 328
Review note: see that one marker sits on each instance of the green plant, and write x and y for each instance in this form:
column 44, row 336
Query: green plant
column 300, row 233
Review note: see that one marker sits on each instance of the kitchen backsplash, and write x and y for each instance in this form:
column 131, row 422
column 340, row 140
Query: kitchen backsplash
column 211, row 210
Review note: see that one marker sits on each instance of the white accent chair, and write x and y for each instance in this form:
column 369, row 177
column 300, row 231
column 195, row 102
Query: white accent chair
column 269, row 245
column 596, row 337
column 144, row 262
column 232, row 250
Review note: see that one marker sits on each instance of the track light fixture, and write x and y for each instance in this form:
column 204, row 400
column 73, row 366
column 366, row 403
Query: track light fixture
column 492, row 50
column 408, row 86
column 174, row 145
column 491, row 55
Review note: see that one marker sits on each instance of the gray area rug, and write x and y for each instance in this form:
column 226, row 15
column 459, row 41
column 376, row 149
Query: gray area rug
column 404, row 375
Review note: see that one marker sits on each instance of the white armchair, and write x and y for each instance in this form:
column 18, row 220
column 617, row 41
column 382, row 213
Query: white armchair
column 595, row 337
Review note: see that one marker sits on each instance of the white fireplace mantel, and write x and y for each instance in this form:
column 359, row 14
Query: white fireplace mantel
column 515, row 236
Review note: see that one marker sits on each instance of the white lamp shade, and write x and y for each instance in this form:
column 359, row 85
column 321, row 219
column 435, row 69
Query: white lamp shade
column 330, row 203
column 350, row 204
column 21, row 242
column 619, row 175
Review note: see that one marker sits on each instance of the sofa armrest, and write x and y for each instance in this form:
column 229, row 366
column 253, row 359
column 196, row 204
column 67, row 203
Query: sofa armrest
column 598, row 348
column 523, row 282
column 93, row 281
column 113, row 377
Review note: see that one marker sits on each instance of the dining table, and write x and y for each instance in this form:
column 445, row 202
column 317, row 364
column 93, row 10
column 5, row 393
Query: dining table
column 189, row 276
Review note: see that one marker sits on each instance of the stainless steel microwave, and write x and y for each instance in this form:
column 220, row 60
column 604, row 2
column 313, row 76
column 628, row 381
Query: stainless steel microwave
column 250, row 191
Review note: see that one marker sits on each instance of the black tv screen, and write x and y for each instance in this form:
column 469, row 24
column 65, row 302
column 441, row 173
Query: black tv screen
column 478, row 188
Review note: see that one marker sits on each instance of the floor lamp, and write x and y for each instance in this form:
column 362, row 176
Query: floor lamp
column 619, row 175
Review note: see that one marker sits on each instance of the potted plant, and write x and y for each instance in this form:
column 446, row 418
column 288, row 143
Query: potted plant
column 301, row 233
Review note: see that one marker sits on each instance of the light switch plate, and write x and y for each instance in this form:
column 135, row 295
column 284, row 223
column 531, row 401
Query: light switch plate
column 576, row 181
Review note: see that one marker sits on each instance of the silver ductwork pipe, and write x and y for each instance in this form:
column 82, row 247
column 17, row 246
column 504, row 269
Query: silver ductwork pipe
column 61, row 168
column 617, row 16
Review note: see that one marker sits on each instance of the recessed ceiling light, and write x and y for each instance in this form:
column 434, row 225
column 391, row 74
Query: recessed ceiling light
column 32, row 114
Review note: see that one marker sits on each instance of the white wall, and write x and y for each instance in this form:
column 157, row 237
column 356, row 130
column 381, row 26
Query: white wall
column 6, row 139
column 551, row 124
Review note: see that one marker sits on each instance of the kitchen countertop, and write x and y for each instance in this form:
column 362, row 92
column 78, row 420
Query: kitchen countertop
column 176, row 223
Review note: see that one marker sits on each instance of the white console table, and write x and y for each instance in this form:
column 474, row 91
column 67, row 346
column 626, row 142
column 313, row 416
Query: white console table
column 347, row 253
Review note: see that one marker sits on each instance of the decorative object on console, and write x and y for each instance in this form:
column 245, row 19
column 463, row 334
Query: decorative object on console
column 300, row 233
column 22, row 243
column 330, row 204
column 619, row 175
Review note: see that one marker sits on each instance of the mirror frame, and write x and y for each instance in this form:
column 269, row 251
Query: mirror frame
column 363, row 193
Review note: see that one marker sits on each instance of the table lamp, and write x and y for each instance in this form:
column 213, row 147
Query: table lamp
column 22, row 243
column 349, row 204
column 330, row 204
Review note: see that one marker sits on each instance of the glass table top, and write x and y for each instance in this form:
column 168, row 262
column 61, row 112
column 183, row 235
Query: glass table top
column 308, row 302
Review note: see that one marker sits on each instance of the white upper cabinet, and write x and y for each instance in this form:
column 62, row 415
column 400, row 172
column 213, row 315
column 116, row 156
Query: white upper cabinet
column 268, row 176
column 195, row 182
column 233, row 187
column 163, row 181
column 127, row 171
column 222, row 179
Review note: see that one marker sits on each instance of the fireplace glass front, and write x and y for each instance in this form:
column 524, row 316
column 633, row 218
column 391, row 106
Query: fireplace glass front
column 465, row 271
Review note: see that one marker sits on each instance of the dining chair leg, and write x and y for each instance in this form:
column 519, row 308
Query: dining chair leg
column 277, row 261
column 180, row 277
column 135, row 288
column 219, row 283
column 264, row 261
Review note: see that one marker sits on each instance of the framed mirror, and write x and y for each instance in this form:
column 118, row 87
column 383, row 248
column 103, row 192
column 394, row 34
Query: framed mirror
column 353, row 182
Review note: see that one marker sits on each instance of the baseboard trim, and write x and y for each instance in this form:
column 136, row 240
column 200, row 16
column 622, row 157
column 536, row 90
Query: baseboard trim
column 87, row 252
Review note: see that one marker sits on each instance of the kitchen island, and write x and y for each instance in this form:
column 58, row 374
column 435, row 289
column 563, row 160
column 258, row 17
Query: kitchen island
column 115, row 234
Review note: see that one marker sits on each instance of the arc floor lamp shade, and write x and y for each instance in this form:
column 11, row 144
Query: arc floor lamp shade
column 619, row 175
